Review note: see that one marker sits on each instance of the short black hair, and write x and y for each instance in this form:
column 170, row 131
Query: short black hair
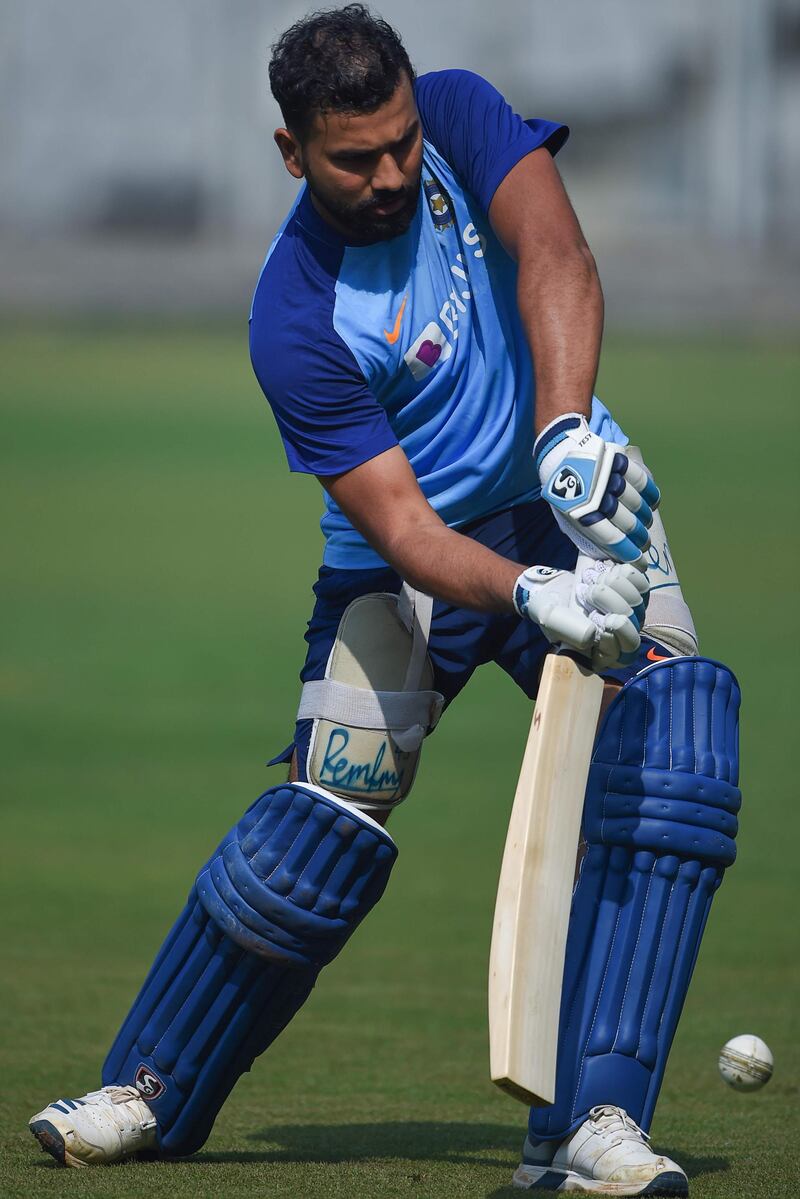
column 336, row 60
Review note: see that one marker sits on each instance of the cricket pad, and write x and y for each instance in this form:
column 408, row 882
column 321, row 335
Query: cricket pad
column 659, row 822
column 276, row 901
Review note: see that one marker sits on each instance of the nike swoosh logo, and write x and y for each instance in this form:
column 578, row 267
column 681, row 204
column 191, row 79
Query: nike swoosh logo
column 652, row 656
column 395, row 333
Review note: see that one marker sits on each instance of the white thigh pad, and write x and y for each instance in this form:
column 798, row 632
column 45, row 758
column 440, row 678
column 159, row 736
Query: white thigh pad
column 668, row 619
column 376, row 704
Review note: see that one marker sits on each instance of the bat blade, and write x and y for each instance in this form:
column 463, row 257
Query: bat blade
column 534, row 893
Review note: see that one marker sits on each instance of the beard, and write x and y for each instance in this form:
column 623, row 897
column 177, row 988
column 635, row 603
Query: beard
column 360, row 221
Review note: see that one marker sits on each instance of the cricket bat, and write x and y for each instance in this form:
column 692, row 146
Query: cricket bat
column 529, row 935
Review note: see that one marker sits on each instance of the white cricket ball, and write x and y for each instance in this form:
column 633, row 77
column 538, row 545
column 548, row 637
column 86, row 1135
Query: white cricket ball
column 745, row 1063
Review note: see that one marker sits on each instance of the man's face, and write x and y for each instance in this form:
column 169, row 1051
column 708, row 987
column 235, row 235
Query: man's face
column 363, row 171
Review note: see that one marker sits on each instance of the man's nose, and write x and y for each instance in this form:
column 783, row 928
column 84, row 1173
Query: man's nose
column 388, row 177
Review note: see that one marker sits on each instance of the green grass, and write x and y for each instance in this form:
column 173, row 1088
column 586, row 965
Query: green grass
column 157, row 572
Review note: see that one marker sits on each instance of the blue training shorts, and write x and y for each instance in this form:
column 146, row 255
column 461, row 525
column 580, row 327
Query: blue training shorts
column 460, row 639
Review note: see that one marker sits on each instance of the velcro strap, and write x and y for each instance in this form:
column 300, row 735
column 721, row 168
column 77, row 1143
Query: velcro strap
column 408, row 715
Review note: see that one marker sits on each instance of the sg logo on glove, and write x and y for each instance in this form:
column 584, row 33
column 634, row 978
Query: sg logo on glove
column 567, row 485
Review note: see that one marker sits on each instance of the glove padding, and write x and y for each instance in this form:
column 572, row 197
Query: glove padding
column 602, row 500
column 598, row 609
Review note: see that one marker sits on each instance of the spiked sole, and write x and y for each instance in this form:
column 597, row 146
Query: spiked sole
column 52, row 1142
column 670, row 1183
column 542, row 1178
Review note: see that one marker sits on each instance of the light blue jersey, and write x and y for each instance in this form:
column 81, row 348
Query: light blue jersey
column 415, row 340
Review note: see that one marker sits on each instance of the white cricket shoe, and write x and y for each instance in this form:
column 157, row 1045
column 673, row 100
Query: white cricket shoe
column 608, row 1155
column 101, row 1127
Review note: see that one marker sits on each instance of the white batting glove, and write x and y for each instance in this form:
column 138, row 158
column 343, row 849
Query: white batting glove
column 598, row 609
column 615, row 597
column 601, row 499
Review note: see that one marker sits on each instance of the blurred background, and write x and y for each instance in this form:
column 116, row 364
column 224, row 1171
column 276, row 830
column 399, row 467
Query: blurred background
column 139, row 173
column 157, row 564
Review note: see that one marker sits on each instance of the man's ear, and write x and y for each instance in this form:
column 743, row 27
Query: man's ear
column 291, row 152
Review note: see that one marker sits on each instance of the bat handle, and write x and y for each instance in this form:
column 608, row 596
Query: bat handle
column 582, row 562
column 569, row 651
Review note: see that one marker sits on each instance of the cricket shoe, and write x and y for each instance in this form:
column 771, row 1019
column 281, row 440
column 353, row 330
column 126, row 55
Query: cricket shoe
column 101, row 1127
column 608, row 1155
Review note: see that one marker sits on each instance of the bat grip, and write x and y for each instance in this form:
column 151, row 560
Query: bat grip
column 568, row 651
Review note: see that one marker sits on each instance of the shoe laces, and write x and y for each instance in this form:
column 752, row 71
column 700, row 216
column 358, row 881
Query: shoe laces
column 137, row 1115
column 120, row 1094
column 607, row 1118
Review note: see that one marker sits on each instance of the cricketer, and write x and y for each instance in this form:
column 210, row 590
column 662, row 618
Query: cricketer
column 426, row 329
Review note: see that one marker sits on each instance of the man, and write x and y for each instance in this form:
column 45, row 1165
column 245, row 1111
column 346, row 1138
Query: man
column 426, row 329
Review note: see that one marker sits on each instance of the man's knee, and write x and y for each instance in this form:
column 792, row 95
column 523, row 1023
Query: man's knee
column 278, row 884
column 367, row 718
column 379, row 815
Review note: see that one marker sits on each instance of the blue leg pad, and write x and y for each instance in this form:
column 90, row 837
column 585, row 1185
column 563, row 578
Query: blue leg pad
column 276, row 902
column 659, row 823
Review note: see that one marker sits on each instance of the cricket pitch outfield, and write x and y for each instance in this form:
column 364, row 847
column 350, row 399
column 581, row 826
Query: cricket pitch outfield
column 157, row 578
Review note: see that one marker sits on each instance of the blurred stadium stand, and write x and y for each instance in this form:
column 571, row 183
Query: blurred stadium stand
column 139, row 173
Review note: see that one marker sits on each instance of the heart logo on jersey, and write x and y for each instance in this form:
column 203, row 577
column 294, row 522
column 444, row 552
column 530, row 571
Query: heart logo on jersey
column 429, row 353
column 429, row 350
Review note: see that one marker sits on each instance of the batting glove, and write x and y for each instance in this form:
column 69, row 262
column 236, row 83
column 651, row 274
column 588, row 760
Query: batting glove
column 597, row 610
column 601, row 499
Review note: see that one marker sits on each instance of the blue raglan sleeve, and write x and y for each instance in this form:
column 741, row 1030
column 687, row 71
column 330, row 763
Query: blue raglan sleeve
column 327, row 416
column 477, row 131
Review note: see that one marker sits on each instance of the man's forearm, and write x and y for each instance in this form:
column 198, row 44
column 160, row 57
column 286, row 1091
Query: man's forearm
column 449, row 566
column 558, row 291
column 561, row 305
column 383, row 500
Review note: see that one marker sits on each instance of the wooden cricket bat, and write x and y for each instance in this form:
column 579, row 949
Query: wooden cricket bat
column 534, row 894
